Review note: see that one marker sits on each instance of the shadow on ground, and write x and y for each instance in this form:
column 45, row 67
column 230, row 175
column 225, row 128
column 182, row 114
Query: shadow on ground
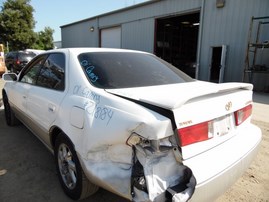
column 262, row 98
column 27, row 169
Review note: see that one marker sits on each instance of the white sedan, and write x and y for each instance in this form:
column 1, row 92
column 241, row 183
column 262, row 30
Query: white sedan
column 133, row 124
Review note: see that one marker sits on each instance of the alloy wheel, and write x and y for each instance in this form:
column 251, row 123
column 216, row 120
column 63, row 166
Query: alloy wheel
column 67, row 166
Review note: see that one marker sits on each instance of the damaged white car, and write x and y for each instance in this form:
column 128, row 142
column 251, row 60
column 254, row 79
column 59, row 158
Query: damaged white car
column 133, row 124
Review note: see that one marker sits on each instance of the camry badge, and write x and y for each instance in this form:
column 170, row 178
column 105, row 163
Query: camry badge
column 228, row 106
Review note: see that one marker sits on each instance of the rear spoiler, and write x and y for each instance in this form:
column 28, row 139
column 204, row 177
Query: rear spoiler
column 218, row 88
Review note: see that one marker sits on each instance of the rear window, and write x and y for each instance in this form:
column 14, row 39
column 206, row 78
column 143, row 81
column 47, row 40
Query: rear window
column 128, row 69
column 26, row 55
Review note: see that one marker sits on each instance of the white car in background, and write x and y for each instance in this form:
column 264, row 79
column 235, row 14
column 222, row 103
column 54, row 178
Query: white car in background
column 133, row 124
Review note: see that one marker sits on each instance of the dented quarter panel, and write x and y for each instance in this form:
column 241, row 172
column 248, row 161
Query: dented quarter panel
column 103, row 144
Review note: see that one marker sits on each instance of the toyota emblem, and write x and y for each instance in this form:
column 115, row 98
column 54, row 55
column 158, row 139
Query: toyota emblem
column 228, row 106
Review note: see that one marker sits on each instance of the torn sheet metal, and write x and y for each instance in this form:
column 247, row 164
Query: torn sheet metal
column 154, row 177
column 165, row 179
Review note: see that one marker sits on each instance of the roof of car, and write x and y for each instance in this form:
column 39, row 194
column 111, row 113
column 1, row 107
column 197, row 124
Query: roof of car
column 81, row 50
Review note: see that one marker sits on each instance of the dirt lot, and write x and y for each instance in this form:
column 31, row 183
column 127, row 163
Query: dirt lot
column 27, row 171
column 254, row 184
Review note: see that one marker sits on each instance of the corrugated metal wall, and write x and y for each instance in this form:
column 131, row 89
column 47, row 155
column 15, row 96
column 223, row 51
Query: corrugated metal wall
column 220, row 26
column 141, row 34
column 79, row 34
column 229, row 26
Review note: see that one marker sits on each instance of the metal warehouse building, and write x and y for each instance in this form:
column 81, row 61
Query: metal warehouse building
column 211, row 40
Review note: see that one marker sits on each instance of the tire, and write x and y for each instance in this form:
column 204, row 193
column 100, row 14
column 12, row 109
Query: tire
column 71, row 176
column 10, row 117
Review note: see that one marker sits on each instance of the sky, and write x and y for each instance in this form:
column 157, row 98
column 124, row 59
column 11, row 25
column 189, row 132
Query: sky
column 55, row 13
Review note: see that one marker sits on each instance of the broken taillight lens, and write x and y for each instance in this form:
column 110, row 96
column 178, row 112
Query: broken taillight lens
column 195, row 133
column 242, row 114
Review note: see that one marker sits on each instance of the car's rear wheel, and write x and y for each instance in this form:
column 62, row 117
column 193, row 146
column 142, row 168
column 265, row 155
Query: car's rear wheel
column 10, row 117
column 70, row 173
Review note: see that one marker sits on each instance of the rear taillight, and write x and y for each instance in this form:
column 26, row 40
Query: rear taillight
column 195, row 133
column 242, row 114
column 204, row 131
column 18, row 62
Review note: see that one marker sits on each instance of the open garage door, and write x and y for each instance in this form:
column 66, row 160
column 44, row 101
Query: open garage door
column 111, row 37
column 176, row 41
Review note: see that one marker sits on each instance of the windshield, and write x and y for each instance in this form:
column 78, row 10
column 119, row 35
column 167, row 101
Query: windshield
column 129, row 69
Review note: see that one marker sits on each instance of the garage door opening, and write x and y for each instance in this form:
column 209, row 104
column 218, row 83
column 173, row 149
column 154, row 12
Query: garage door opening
column 176, row 41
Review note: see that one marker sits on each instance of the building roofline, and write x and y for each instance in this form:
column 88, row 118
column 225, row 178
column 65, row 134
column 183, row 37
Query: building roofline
column 113, row 12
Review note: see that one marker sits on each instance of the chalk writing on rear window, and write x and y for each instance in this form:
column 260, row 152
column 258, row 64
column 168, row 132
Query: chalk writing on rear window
column 89, row 70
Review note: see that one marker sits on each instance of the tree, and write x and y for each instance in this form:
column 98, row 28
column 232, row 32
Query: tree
column 17, row 24
column 17, row 27
column 44, row 39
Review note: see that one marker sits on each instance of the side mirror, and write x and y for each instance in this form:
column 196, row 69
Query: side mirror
column 8, row 77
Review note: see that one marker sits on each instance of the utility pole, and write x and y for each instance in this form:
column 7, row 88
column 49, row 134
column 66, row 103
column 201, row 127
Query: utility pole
column 7, row 47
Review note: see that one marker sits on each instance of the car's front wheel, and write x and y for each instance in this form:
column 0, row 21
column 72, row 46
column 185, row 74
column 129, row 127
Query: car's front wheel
column 70, row 173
